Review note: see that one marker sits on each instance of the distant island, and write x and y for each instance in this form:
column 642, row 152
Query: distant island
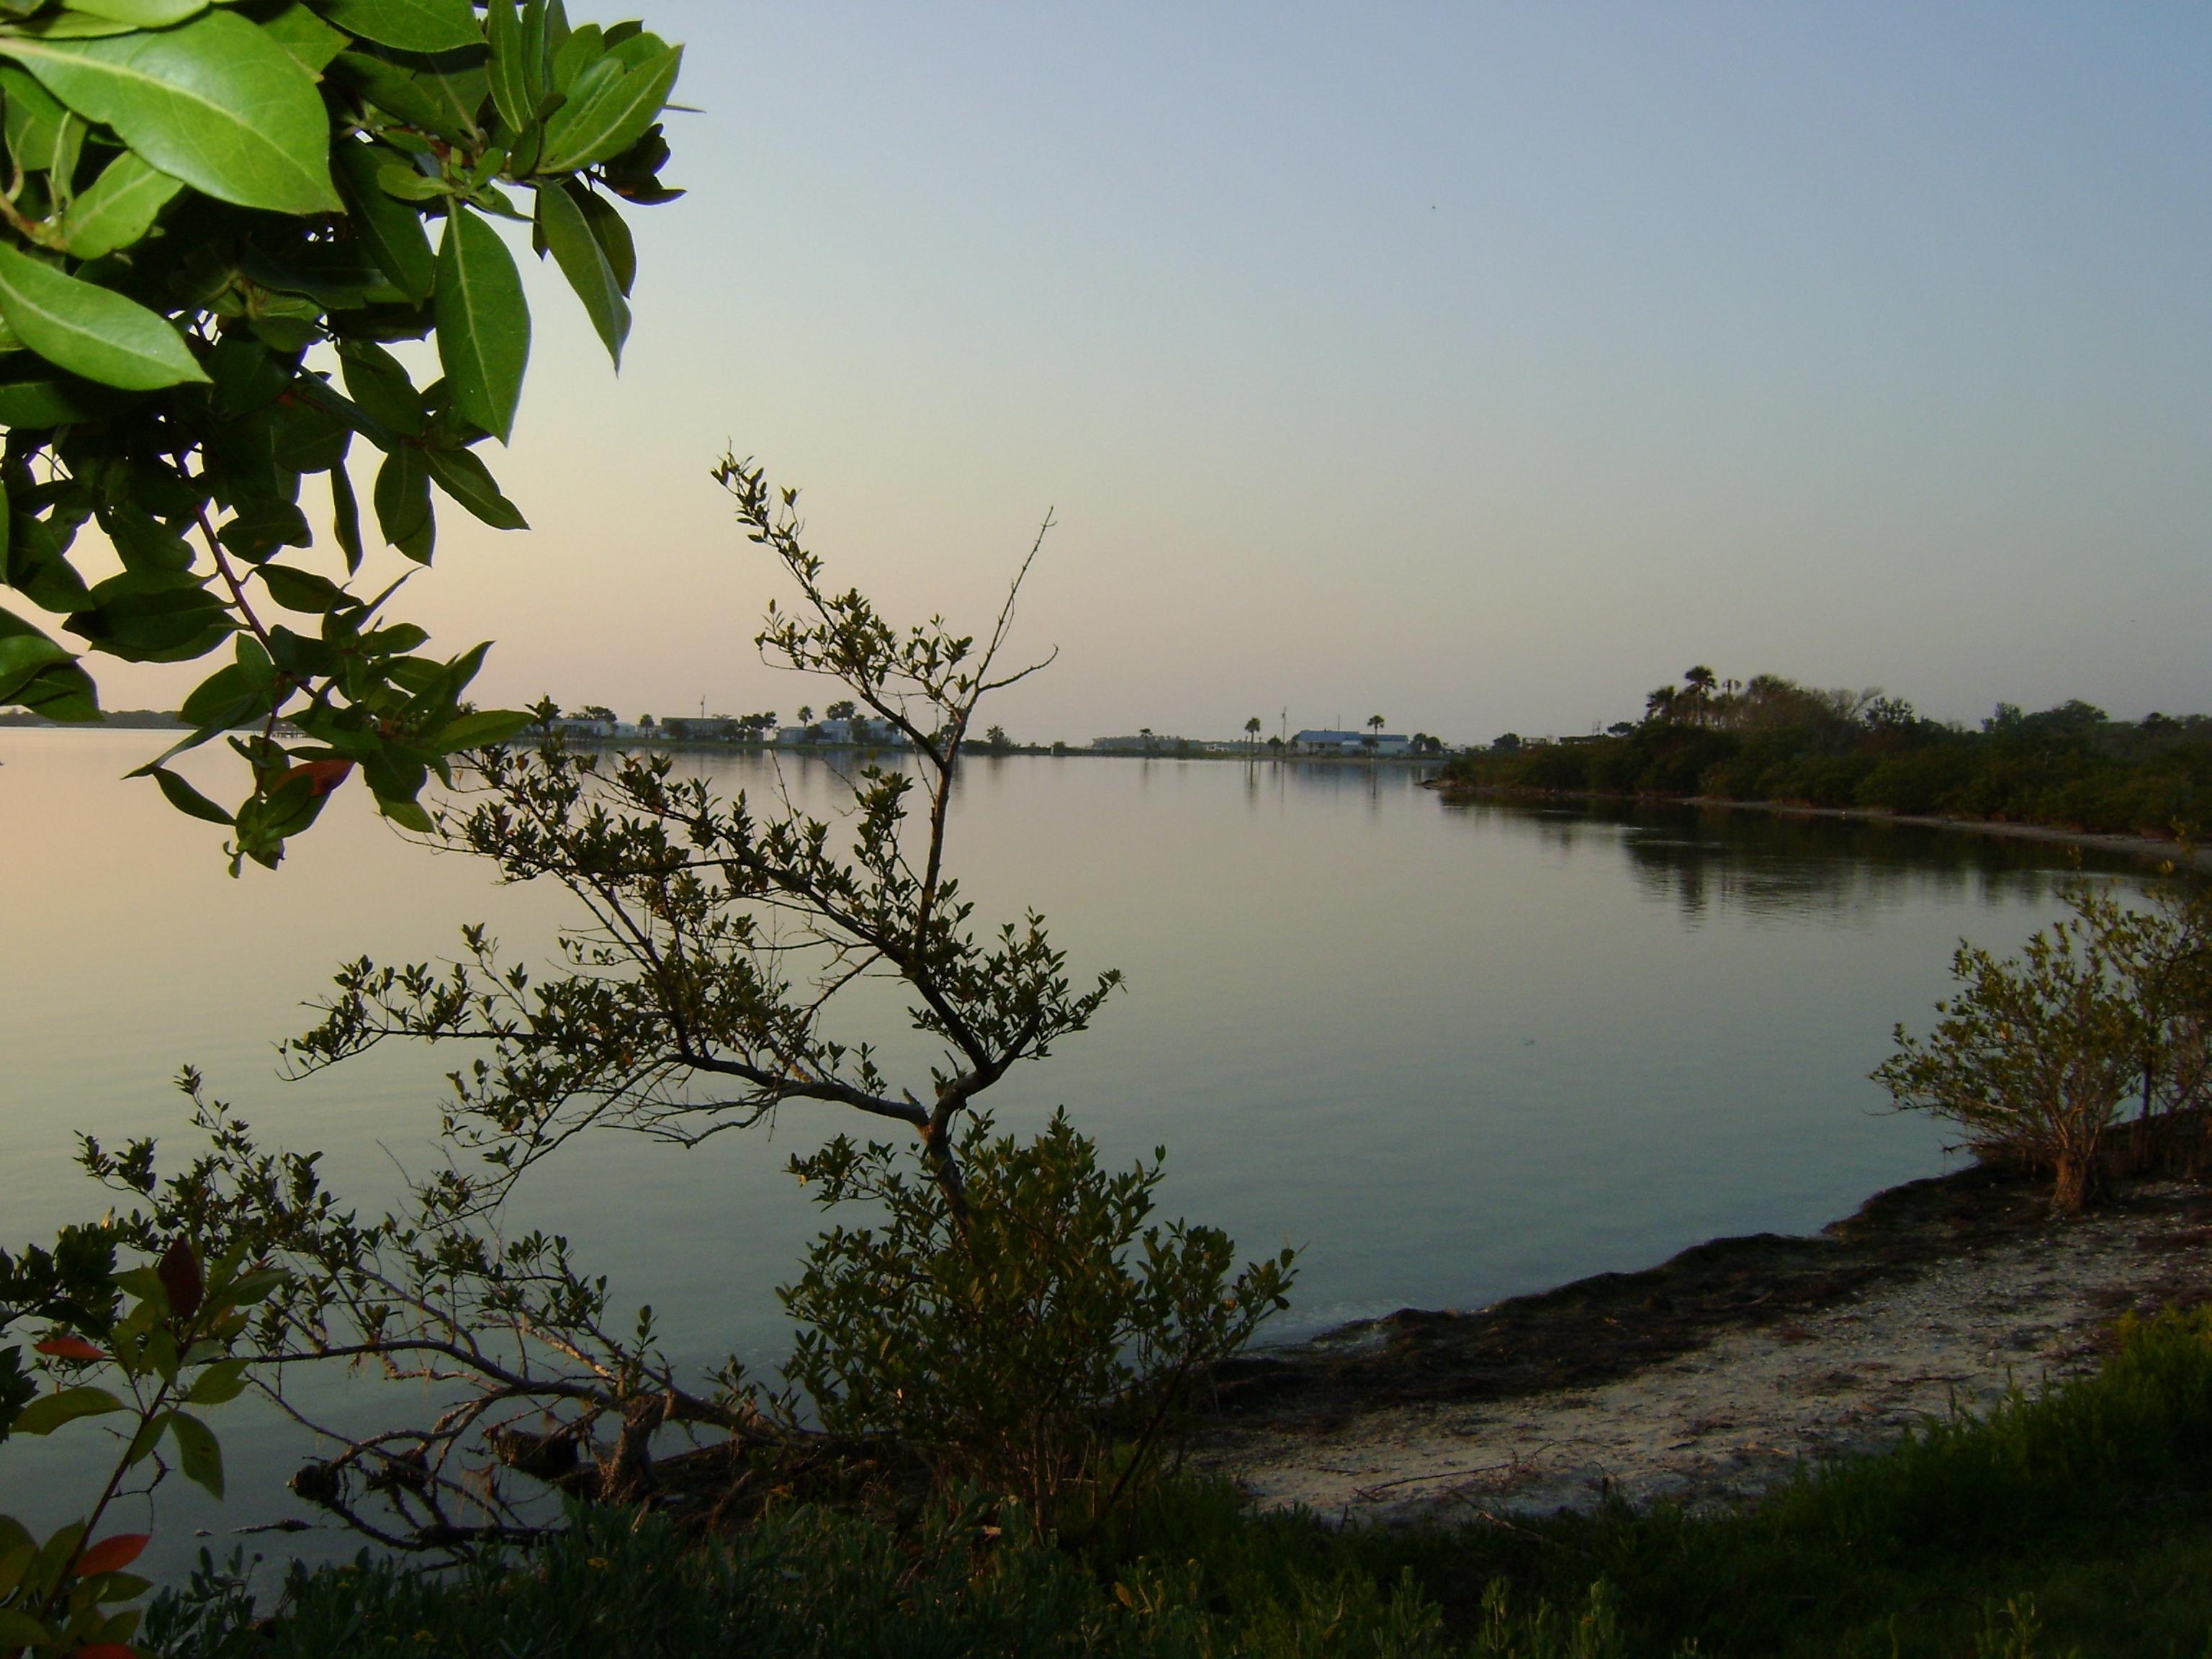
column 1772, row 741
column 154, row 719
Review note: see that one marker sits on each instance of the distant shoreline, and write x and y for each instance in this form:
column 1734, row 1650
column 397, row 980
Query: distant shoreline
column 2154, row 847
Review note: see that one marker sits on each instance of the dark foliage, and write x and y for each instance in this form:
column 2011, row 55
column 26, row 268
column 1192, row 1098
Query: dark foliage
column 1772, row 739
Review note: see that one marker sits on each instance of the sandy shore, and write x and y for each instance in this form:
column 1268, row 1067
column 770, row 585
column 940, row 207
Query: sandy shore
column 1830, row 1354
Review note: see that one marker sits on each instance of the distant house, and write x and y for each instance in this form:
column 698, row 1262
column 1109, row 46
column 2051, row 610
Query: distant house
column 1324, row 742
column 577, row 726
column 858, row 732
column 689, row 728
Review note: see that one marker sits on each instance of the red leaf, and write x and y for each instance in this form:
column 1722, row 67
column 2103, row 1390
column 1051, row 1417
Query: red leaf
column 179, row 1272
column 68, row 1347
column 111, row 1554
column 322, row 775
column 108, row 1651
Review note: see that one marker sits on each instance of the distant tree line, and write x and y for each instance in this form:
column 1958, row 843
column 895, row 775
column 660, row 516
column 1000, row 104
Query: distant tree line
column 1771, row 739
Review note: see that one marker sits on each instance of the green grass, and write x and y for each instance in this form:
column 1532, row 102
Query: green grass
column 2078, row 1522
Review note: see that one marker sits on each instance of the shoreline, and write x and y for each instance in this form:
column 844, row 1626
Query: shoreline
column 2151, row 848
column 1710, row 1376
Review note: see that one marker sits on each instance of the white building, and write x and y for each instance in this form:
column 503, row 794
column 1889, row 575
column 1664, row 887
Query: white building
column 1322, row 741
column 858, row 732
column 576, row 726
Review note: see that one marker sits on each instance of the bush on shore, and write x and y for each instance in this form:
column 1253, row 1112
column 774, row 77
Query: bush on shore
column 2036, row 1056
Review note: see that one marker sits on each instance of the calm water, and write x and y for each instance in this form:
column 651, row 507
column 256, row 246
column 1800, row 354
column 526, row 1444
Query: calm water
column 1451, row 1054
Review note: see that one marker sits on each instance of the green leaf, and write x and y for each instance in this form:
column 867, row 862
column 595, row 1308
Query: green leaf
column 410, row 25
column 302, row 590
column 188, row 800
column 406, row 814
column 119, row 209
column 228, row 695
column 606, row 113
column 378, row 383
column 198, row 1454
column 403, row 503
column 509, row 70
column 538, row 49
column 296, row 28
column 61, row 693
column 575, row 51
column 611, row 232
column 391, row 230
column 215, row 102
column 395, row 90
column 143, row 543
column 457, row 83
column 90, row 331
column 345, row 517
column 153, row 621
column 43, row 137
column 261, row 525
column 481, row 730
column 584, row 262
column 223, row 1381
column 140, row 13
column 19, row 1630
column 246, row 375
column 408, row 183
column 484, row 322
column 24, row 656
column 468, row 481
column 49, row 1411
column 71, row 25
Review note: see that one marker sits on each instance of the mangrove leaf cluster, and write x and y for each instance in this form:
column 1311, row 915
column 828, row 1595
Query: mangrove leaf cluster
column 220, row 221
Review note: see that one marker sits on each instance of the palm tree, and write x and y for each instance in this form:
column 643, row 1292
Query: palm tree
column 1252, row 732
column 1698, row 685
column 805, row 714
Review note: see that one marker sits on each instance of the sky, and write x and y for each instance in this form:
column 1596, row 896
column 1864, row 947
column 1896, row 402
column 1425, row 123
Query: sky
column 1479, row 366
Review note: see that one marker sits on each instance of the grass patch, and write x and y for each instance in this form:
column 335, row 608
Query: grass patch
column 2077, row 1521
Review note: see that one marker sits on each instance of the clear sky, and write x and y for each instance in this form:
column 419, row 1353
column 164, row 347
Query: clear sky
column 1481, row 366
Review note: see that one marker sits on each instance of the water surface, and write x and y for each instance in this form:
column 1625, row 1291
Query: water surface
column 1450, row 1052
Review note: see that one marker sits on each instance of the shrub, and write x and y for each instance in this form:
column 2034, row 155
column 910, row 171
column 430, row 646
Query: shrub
column 1038, row 1334
column 2031, row 1058
column 2034, row 1057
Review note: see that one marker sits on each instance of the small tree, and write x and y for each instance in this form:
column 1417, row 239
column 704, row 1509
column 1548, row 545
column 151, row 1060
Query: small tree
column 685, row 1014
column 2033, row 1057
column 697, row 995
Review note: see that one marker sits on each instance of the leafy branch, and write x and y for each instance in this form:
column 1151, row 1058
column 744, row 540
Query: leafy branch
column 216, row 218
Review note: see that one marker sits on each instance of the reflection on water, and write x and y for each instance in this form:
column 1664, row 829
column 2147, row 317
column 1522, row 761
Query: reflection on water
column 1452, row 1053
column 1711, row 860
